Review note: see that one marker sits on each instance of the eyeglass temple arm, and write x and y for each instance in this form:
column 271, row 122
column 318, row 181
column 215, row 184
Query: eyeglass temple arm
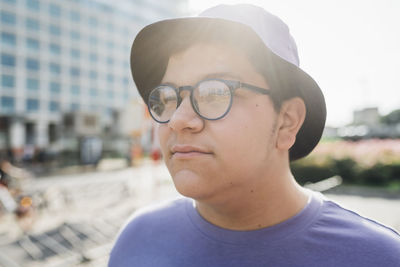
column 255, row 88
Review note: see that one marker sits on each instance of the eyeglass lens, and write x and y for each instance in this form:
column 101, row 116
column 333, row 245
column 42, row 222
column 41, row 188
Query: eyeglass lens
column 211, row 100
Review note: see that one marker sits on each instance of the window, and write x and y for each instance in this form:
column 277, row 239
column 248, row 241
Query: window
column 110, row 27
column 93, row 92
column 7, row 60
column 126, row 95
column 54, row 106
column 75, row 16
column 55, row 49
column 8, row 39
column 33, row 5
column 75, row 53
column 8, row 18
column 93, row 22
column 93, row 57
column 55, row 30
column 13, row 2
column 32, row 44
column 110, row 78
column 32, row 64
column 74, row 106
column 93, row 40
column 75, row 72
column 110, row 94
column 75, row 90
column 32, row 84
column 110, row 61
column 110, row 44
column 75, row 35
column 55, row 68
column 32, row 104
column 7, row 81
column 7, row 103
column 93, row 74
column 32, row 24
column 55, row 88
column 54, row 10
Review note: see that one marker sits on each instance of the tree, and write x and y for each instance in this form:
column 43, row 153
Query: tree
column 391, row 118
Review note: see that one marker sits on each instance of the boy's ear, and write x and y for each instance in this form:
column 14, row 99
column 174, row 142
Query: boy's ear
column 291, row 118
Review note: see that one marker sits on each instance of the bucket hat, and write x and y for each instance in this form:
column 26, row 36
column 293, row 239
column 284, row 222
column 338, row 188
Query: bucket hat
column 155, row 43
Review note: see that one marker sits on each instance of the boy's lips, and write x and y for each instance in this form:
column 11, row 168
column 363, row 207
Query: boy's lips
column 188, row 151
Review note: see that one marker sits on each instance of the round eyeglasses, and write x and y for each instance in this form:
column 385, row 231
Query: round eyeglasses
column 211, row 99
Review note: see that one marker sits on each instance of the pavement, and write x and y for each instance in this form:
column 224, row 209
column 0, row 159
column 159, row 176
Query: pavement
column 78, row 215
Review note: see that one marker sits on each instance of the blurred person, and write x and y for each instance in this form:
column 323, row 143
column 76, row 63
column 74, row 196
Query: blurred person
column 234, row 109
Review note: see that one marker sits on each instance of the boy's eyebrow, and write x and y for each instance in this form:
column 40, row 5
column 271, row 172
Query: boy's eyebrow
column 226, row 74
column 215, row 75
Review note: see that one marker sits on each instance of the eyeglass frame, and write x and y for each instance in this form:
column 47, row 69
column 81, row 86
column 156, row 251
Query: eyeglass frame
column 232, row 85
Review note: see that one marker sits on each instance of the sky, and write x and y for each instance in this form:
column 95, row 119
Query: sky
column 350, row 47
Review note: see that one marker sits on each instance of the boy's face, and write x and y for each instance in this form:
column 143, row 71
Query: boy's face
column 222, row 159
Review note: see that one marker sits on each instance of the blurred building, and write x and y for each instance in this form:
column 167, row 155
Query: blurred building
column 368, row 123
column 366, row 116
column 64, row 67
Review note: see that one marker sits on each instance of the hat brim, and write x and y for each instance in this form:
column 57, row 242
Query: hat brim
column 155, row 43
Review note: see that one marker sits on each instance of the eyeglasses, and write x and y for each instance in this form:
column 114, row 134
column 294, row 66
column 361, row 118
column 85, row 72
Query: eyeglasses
column 211, row 99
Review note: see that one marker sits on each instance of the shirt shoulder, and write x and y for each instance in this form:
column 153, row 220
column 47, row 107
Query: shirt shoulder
column 366, row 238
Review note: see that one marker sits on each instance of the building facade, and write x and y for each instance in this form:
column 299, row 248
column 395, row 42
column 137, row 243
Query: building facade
column 67, row 59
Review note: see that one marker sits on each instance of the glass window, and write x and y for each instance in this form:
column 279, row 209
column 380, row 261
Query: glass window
column 93, row 40
column 7, row 80
column 32, row 104
column 110, row 78
column 7, row 103
column 10, row 1
column 54, row 106
column 110, row 44
column 55, row 68
column 55, row 49
column 33, row 5
column 110, row 61
column 75, row 16
column 54, row 10
column 8, row 18
column 93, row 57
column 55, row 30
column 93, row 74
column 75, row 90
column 110, row 94
column 75, row 53
column 32, row 64
column 126, row 95
column 110, row 27
column 93, row 92
column 93, row 22
column 75, row 35
column 32, row 24
column 32, row 44
column 55, row 87
column 125, row 80
column 8, row 39
column 7, row 60
column 32, row 84
column 75, row 72
column 74, row 106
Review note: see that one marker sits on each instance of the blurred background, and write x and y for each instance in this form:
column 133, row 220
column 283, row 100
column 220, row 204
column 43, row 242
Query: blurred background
column 78, row 153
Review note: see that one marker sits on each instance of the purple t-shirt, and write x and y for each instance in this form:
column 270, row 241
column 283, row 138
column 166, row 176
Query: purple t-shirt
column 322, row 234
